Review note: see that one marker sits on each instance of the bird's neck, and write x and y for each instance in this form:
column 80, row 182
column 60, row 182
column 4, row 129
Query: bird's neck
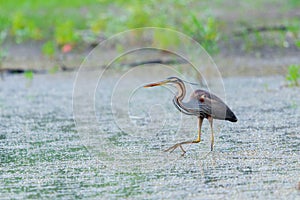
column 180, row 91
column 179, row 97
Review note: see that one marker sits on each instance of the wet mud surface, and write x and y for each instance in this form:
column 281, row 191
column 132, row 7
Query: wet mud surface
column 46, row 153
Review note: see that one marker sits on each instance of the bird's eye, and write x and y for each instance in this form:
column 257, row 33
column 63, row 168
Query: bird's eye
column 201, row 99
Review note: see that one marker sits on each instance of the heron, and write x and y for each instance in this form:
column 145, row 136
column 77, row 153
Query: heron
column 202, row 104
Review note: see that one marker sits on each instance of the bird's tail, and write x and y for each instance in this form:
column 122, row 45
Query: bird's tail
column 230, row 116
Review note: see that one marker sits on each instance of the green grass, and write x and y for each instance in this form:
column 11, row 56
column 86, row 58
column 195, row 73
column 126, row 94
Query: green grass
column 34, row 19
column 28, row 75
column 49, row 49
column 61, row 21
column 293, row 75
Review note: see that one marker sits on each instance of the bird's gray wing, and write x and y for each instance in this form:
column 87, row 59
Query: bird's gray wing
column 208, row 105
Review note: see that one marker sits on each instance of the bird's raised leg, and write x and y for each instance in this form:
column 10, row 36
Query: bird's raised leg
column 172, row 148
column 210, row 119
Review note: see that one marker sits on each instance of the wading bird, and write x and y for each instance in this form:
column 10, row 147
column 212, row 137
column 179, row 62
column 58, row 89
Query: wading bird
column 201, row 104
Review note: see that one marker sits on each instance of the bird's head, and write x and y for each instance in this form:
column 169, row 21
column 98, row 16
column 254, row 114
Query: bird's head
column 170, row 80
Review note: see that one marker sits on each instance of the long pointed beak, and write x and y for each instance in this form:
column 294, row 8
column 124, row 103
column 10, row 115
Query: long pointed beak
column 155, row 84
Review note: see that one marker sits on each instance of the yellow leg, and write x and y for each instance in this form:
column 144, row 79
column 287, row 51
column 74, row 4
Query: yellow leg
column 199, row 131
column 172, row 148
column 210, row 119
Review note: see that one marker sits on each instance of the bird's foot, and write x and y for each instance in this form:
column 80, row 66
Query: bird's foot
column 172, row 148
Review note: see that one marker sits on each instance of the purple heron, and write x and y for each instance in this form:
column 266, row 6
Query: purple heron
column 202, row 104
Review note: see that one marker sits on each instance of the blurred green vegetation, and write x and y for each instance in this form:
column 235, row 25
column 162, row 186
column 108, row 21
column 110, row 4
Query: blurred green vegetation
column 49, row 49
column 28, row 74
column 60, row 22
column 293, row 75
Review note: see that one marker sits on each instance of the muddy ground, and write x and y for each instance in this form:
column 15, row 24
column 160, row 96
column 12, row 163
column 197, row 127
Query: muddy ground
column 108, row 152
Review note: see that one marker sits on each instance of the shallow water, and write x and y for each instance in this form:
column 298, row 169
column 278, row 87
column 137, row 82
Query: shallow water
column 45, row 154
